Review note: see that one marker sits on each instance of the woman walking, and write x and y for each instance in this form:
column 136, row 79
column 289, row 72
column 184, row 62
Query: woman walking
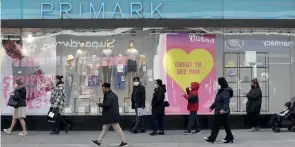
column 57, row 103
column 253, row 105
column 19, row 95
column 222, row 112
column 158, row 108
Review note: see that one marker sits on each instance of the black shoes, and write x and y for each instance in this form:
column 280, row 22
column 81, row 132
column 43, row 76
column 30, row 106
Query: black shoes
column 123, row 144
column 142, row 131
column 187, row 133
column 159, row 133
column 95, row 142
column 197, row 132
column 208, row 139
column 135, row 131
column 228, row 140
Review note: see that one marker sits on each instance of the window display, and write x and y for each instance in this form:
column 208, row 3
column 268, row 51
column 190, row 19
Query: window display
column 89, row 58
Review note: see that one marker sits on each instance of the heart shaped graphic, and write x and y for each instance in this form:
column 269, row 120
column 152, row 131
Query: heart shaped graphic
column 185, row 68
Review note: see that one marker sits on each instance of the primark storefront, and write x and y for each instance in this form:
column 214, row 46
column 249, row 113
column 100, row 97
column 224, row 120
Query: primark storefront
column 94, row 41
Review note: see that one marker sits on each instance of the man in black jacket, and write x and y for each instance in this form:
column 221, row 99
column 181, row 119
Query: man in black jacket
column 110, row 115
column 138, row 103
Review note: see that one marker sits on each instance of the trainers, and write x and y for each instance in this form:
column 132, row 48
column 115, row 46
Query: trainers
column 161, row 133
column 7, row 131
column 23, row 134
column 95, row 142
column 123, row 144
column 187, row 133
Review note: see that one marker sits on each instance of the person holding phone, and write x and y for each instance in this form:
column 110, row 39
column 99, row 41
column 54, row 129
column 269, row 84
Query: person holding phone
column 222, row 112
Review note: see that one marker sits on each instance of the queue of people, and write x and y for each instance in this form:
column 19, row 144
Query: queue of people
column 111, row 115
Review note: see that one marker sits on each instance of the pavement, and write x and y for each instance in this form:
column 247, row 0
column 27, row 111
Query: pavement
column 243, row 138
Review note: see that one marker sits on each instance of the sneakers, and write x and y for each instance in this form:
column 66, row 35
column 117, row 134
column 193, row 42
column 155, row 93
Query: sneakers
column 197, row 132
column 95, row 142
column 7, row 131
column 23, row 134
column 153, row 133
column 187, row 133
column 123, row 144
column 161, row 133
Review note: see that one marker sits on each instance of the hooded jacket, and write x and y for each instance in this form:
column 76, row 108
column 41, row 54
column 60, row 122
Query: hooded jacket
column 222, row 101
column 192, row 97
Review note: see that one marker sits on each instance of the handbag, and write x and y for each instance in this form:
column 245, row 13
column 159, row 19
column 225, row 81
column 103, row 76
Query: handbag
column 52, row 114
column 166, row 104
column 12, row 102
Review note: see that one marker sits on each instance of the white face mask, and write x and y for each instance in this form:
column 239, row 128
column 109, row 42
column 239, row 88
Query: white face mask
column 156, row 85
column 136, row 83
column 218, row 87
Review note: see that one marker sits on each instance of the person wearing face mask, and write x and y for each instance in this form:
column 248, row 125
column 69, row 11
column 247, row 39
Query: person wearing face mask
column 222, row 112
column 57, row 103
column 192, row 106
column 253, row 104
column 138, row 102
column 158, row 108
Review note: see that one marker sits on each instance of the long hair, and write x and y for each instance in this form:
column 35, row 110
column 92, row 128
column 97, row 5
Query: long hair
column 255, row 81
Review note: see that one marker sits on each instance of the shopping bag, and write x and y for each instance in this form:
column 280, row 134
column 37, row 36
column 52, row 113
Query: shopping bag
column 141, row 111
column 52, row 114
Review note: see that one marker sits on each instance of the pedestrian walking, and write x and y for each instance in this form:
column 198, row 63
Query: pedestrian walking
column 222, row 112
column 253, row 105
column 193, row 106
column 57, row 103
column 138, row 103
column 158, row 108
column 19, row 96
column 110, row 116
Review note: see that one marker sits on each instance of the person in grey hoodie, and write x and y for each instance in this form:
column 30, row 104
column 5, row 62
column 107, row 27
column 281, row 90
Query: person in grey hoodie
column 222, row 112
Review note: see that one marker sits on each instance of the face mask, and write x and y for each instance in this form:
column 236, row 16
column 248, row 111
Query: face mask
column 136, row 83
column 218, row 87
column 156, row 85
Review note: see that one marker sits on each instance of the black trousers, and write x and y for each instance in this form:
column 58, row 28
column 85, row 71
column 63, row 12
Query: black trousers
column 193, row 121
column 253, row 118
column 158, row 120
column 221, row 120
column 58, row 121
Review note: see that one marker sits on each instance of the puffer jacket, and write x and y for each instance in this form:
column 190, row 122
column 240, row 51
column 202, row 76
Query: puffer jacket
column 192, row 97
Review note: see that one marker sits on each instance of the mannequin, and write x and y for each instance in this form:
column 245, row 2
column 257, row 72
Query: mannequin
column 142, row 72
column 81, row 64
column 93, row 77
column 132, row 65
column 69, row 78
column 107, row 55
column 120, row 72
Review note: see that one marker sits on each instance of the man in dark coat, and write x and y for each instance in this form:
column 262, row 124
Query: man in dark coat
column 138, row 103
column 110, row 115
column 253, row 105
column 158, row 108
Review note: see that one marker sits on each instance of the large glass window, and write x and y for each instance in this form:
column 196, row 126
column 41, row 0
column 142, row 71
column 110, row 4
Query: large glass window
column 89, row 57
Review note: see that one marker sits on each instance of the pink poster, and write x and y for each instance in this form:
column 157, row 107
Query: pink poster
column 189, row 58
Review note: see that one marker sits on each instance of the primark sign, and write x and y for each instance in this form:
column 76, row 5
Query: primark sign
column 66, row 10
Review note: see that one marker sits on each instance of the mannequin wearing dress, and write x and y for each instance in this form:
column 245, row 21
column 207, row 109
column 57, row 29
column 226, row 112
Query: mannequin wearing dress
column 107, row 67
column 82, row 67
column 132, row 65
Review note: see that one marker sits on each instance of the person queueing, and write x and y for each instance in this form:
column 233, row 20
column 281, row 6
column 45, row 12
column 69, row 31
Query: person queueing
column 222, row 112
column 158, row 108
column 193, row 106
column 253, row 105
column 110, row 116
column 138, row 102
column 58, row 102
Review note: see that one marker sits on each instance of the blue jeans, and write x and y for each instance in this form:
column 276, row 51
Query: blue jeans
column 193, row 121
column 158, row 121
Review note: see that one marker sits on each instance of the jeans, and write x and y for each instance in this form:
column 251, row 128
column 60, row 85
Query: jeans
column 218, row 121
column 193, row 121
column 59, row 119
column 116, row 127
column 158, row 121
column 139, row 122
column 68, row 88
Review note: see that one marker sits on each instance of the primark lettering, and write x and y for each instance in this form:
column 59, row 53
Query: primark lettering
column 93, row 10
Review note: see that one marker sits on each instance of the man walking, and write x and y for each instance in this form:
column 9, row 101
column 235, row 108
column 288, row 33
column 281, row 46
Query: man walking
column 138, row 103
column 110, row 115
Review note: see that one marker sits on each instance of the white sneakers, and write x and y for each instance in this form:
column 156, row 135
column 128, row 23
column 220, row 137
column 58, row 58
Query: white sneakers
column 8, row 131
